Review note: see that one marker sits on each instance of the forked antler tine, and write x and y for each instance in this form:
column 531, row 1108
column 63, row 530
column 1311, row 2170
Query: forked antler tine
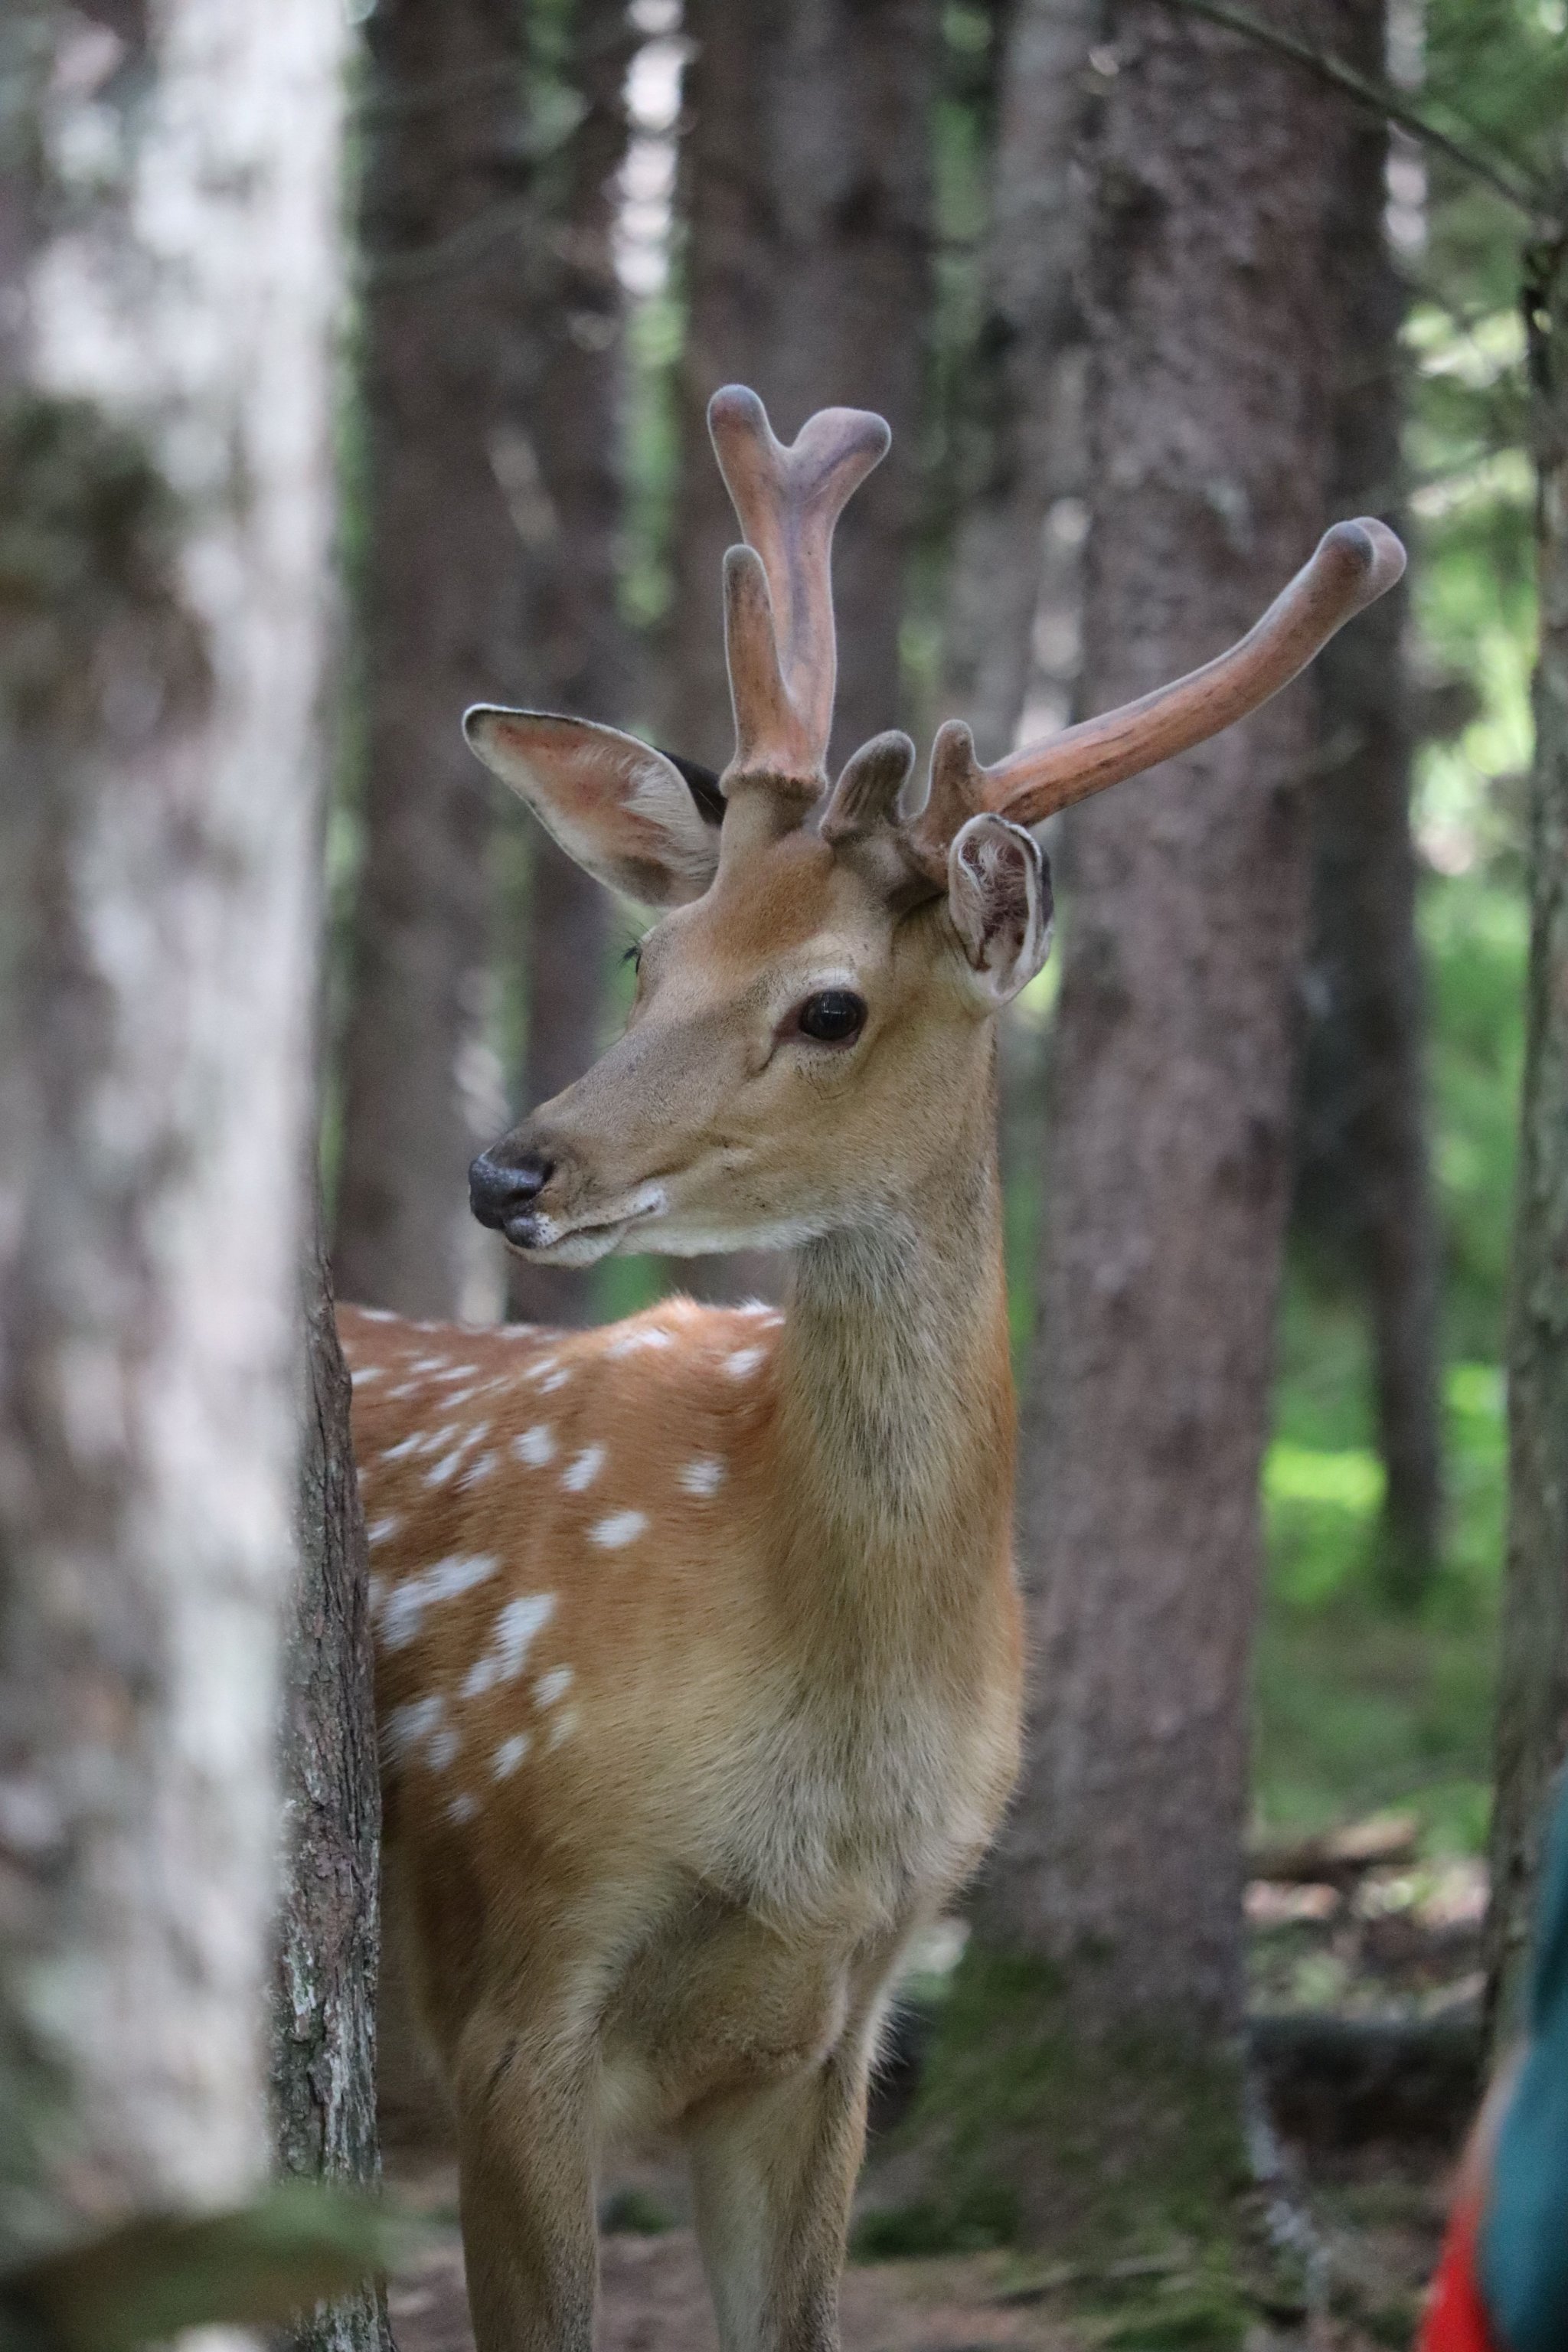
column 788, row 500
column 1354, row 565
column 771, row 736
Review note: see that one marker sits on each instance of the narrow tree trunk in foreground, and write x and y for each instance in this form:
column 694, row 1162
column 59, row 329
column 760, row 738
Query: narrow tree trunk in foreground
column 579, row 639
column 164, row 529
column 1532, row 1689
column 1031, row 324
column 329, row 1943
column 1364, row 1180
column 1118, row 1877
column 454, row 493
column 807, row 200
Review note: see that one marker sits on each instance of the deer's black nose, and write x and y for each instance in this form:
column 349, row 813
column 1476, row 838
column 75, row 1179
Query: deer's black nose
column 496, row 1193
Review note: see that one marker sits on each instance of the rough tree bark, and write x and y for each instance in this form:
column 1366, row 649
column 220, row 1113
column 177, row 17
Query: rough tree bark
column 806, row 195
column 1118, row 1877
column 1021, row 383
column 1532, row 1689
column 1364, row 1180
column 164, row 531
column 455, row 499
column 579, row 642
column 328, row 1934
column 805, row 191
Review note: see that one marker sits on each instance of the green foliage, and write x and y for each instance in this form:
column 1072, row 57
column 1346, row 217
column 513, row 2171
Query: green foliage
column 148, row 2278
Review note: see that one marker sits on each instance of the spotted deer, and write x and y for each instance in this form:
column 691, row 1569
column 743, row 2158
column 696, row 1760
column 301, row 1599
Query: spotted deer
column 697, row 1642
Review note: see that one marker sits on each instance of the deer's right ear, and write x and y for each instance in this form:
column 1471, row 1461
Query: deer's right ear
column 620, row 809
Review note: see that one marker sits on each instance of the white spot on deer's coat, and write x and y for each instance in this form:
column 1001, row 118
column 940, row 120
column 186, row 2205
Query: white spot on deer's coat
column 458, row 1572
column 704, row 1476
column 445, row 1470
column 515, row 1629
column 542, row 1369
column 406, row 1727
column 382, row 1530
column 441, row 1747
column 405, row 1389
column 536, row 1446
column 477, row 1472
column 428, row 1364
column 553, row 1686
column 377, row 1313
column 630, row 1341
column 509, row 1754
column 564, row 1725
column 363, row 1373
column 408, row 1445
column 457, row 1372
column 581, row 1472
column 440, row 1437
column 744, row 1361
column 557, row 1380
column 462, row 1807
column 375, row 1586
column 620, row 1529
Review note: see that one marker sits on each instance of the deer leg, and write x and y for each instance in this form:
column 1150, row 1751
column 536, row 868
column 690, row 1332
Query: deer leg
column 526, row 2165
column 773, row 2173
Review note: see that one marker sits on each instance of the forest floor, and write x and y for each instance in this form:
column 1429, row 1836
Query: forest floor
column 1364, row 1983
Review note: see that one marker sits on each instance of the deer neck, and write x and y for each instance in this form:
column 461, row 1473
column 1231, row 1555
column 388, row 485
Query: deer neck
column 894, row 1389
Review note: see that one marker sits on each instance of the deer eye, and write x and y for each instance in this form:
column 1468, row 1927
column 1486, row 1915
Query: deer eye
column 832, row 1018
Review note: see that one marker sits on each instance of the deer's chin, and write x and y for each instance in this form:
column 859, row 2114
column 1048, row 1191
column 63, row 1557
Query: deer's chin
column 546, row 1239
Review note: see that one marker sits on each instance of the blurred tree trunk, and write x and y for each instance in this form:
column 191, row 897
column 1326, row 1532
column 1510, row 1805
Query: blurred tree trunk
column 1020, row 399
column 456, row 506
column 329, row 1941
column 806, row 195
column 165, row 521
column 579, row 639
column 1363, row 1181
column 1532, row 1690
column 805, row 191
column 1117, row 1883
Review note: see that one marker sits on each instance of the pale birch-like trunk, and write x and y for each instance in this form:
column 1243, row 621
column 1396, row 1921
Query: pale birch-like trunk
column 165, row 534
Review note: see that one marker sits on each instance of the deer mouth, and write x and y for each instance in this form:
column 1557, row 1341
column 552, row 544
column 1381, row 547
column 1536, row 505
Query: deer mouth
column 549, row 1238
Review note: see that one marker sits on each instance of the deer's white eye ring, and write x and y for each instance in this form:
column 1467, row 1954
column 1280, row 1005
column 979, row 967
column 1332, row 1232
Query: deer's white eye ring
column 834, row 1016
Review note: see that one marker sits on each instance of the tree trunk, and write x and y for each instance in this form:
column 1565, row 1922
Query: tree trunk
column 1020, row 376
column 328, row 1944
column 806, row 188
column 1363, row 1181
column 165, row 531
column 455, row 504
column 1532, row 1689
column 1119, row 1878
column 580, row 639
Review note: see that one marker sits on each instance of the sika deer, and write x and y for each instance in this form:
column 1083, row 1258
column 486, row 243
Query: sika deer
column 699, row 1645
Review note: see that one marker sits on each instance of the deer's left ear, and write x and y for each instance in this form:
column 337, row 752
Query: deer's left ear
column 618, row 808
column 999, row 897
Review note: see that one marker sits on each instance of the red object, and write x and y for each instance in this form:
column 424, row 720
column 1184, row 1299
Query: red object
column 1456, row 2318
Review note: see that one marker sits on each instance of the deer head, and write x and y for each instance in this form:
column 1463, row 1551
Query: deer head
column 813, row 1018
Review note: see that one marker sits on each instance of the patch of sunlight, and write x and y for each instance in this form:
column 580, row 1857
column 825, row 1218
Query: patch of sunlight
column 1350, row 1479
column 1035, row 1003
column 1475, row 350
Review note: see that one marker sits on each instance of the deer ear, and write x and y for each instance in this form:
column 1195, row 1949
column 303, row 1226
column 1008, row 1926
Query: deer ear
column 620, row 809
column 999, row 897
